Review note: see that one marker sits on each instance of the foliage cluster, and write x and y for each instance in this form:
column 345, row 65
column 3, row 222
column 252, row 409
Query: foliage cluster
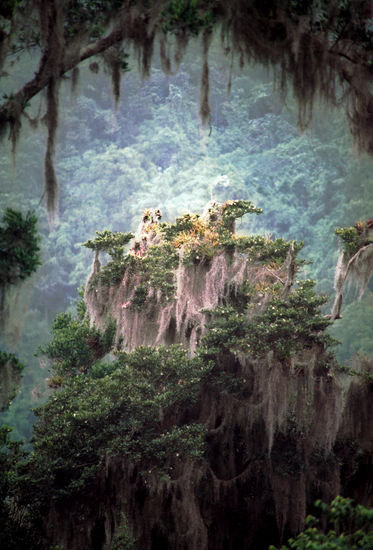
column 19, row 246
column 291, row 324
column 123, row 540
column 201, row 238
column 13, row 535
column 125, row 408
column 263, row 249
column 11, row 359
column 235, row 209
column 114, row 244
column 139, row 297
column 353, row 238
column 9, row 392
column 112, row 273
column 198, row 239
column 111, row 242
column 94, row 13
column 157, row 269
column 75, row 345
column 286, row 325
column 188, row 16
column 344, row 525
column 350, row 239
column 183, row 225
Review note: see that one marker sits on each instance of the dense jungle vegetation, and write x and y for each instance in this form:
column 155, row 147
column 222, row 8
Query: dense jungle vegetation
column 153, row 152
column 127, row 144
column 142, row 406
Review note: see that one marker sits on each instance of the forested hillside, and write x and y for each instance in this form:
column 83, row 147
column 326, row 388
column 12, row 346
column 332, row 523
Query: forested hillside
column 152, row 151
column 189, row 390
column 197, row 401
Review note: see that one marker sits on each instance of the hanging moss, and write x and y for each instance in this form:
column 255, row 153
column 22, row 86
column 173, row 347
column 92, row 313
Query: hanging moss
column 164, row 55
column 355, row 262
column 350, row 238
column 75, row 73
column 227, row 447
column 116, row 61
column 51, row 186
column 204, row 109
column 317, row 48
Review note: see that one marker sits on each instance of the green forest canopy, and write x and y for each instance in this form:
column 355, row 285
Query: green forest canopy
column 343, row 28
column 319, row 47
column 152, row 152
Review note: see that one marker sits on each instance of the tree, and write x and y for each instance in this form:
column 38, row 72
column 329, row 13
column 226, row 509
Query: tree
column 355, row 261
column 19, row 254
column 19, row 258
column 19, row 247
column 346, row 526
column 76, row 346
column 315, row 45
column 14, row 532
column 112, row 243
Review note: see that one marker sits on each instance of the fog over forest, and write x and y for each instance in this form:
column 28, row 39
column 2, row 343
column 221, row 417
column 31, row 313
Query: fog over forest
column 152, row 151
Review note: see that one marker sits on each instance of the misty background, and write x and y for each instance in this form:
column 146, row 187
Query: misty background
column 153, row 152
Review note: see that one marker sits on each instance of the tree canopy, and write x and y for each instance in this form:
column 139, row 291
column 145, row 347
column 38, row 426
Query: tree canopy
column 345, row 525
column 19, row 248
column 318, row 47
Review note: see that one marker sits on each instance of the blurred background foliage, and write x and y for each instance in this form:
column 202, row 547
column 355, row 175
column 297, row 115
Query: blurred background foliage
column 153, row 152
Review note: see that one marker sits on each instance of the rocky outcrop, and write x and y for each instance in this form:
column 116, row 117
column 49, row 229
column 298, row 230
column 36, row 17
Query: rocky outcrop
column 181, row 320
column 198, row 285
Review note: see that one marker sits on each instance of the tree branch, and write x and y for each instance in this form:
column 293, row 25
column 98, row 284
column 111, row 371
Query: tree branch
column 10, row 110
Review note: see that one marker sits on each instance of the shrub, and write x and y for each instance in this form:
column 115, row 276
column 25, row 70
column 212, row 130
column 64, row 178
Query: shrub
column 19, row 246
column 286, row 325
column 344, row 525
column 75, row 346
column 130, row 410
column 350, row 239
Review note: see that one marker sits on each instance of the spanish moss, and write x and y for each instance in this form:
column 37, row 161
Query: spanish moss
column 205, row 110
